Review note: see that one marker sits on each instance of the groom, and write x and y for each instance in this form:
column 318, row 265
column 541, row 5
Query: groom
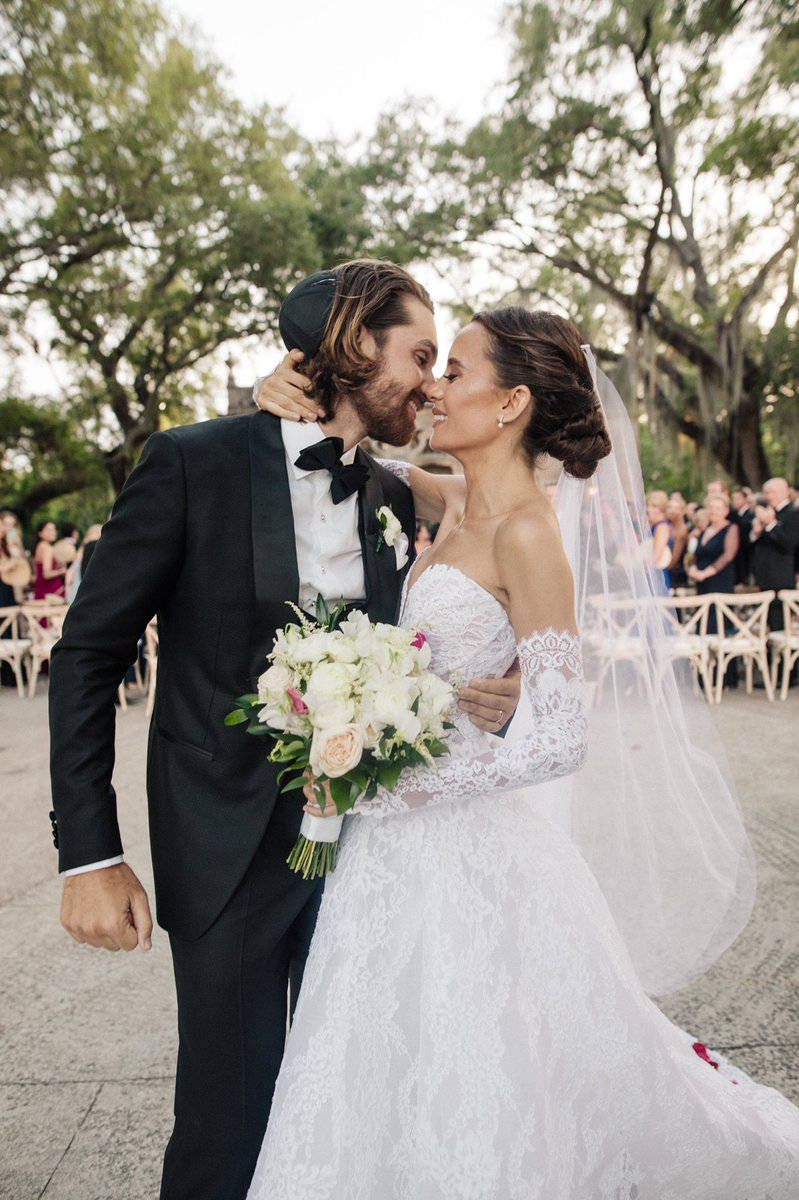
column 220, row 525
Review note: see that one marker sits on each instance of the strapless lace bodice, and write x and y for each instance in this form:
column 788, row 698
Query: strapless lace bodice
column 470, row 635
column 468, row 629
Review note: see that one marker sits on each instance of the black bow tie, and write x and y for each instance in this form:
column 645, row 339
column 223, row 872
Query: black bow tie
column 326, row 456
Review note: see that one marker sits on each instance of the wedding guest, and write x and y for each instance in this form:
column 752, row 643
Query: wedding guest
column 675, row 513
column 50, row 573
column 70, row 537
column 742, row 514
column 662, row 533
column 690, row 512
column 698, row 525
column 774, row 537
column 87, row 549
column 717, row 487
column 714, row 565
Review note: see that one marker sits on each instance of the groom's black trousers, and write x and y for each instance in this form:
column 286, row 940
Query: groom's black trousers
column 232, row 986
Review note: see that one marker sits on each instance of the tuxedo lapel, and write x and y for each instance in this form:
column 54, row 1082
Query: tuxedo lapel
column 380, row 568
column 274, row 551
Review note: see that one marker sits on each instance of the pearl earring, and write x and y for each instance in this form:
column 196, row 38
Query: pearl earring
column 500, row 421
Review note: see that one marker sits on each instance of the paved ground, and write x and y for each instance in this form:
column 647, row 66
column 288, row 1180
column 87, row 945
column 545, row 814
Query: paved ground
column 88, row 1037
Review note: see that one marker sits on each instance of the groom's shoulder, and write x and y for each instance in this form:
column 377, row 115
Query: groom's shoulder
column 215, row 433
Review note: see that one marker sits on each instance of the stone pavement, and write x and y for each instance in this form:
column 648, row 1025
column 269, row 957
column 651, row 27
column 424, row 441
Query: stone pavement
column 88, row 1038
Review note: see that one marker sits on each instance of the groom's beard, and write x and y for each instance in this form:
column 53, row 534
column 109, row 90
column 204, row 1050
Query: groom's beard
column 388, row 410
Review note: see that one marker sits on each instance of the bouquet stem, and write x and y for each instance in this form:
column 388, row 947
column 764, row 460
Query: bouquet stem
column 315, row 853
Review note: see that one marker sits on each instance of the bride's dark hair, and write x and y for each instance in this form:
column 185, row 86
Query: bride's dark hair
column 543, row 352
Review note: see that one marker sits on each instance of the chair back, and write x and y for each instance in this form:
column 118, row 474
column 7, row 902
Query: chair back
column 688, row 614
column 790, row 611
column 9, row 619
column 746, row 615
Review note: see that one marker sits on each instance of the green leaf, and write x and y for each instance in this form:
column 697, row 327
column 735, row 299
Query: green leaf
column 340, row 791
column 248, row 700
column 237, row 717
column 294, row 785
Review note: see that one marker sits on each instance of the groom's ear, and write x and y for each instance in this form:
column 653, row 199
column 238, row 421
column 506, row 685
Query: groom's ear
column 518, row 403
column 366, row 342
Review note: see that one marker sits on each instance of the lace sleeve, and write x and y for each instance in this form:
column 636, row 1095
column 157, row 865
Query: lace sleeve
column 554, row 745
column 397, row 467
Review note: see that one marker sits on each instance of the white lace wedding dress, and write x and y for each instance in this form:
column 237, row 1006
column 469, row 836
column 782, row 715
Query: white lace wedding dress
column 470, row 1026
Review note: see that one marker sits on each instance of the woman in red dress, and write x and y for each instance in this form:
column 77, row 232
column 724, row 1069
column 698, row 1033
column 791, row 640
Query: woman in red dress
column 49, row 571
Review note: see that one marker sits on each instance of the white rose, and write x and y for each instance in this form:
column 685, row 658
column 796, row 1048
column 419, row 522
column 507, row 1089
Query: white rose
column 392, row 528
column 329, row 694
column 392, row 702
column 334, row 752
column 312, row 648
column 274, row 682
column 408, row 727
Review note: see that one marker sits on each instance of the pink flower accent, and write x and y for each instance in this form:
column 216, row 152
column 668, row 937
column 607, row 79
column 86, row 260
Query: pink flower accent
column 297, row 702
column 419, row 640
column 704, row 1054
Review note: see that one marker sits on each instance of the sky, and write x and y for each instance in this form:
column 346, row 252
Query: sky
column 336, row 66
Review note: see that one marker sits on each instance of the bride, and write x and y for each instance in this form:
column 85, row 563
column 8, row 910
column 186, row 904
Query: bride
column 475, row 1021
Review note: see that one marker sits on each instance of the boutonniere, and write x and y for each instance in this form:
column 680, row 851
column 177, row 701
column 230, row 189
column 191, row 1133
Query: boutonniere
column 391, row 535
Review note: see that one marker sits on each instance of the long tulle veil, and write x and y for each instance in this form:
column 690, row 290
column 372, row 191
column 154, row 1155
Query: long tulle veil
column 653, row 812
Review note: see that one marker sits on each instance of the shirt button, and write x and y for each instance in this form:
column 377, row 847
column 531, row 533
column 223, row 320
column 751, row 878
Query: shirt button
column 322, row 517
column 324, row 570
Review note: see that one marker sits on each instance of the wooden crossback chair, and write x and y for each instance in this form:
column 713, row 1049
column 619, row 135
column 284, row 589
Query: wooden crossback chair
column 784, row 643
column 13, row 648
column 741, row 632
column 43, row 622
column 689, row 639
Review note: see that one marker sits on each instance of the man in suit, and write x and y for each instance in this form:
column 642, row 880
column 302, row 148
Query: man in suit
column 220, row 525
column 742, row 514
column 775, row 536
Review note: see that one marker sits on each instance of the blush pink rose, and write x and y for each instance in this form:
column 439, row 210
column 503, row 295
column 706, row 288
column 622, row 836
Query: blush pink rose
column 334, row 752
column 419, row 640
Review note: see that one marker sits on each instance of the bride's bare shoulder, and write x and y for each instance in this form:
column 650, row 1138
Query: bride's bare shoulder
column 534, row 569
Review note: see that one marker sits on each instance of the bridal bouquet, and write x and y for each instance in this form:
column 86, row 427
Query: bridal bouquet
column 351, row 703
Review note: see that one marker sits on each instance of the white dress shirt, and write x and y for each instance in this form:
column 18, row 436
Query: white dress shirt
column 329, row 559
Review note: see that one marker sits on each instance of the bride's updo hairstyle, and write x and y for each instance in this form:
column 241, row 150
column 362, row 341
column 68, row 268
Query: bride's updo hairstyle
column 542, row 351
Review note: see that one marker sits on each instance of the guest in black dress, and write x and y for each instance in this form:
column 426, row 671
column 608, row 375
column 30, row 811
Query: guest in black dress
column 713, row 568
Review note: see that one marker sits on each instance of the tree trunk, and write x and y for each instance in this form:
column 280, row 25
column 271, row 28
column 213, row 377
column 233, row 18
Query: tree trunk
column 738, row 443
column 119, row 464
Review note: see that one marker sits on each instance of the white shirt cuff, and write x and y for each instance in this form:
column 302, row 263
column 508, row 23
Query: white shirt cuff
column 256, row 387
column 773, row 525
column 107, row 862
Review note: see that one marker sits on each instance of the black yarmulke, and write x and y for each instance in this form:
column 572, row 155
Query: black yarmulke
column 304, row 313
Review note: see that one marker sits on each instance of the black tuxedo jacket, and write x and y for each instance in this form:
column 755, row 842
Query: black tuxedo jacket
column 202, row 535
column 773, row 553
column 743, row 559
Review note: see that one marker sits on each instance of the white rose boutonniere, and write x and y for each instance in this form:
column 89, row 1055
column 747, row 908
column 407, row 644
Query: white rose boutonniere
column 391, row 535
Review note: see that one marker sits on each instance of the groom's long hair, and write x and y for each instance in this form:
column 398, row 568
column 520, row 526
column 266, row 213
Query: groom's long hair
column 370, row 293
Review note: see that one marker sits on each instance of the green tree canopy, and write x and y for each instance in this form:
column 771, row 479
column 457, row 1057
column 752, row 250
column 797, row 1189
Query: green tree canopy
column 159, row 220
column 643, row 173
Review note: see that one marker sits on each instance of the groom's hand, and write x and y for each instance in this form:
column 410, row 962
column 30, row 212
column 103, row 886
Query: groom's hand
column 491, row 703
column 107, row 908
column 285, row 393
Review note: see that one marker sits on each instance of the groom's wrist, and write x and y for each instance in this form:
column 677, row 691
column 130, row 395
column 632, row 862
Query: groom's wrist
column 95, row 866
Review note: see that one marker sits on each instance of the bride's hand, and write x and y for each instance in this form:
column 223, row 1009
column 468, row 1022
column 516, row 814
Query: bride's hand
column 284, row 392
column 313, row 807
